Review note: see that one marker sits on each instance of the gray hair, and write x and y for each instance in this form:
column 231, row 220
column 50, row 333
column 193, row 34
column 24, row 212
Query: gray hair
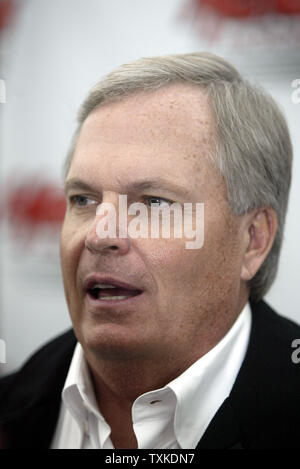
column 253, row 150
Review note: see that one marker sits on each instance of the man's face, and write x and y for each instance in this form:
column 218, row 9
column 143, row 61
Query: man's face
column 187, row 298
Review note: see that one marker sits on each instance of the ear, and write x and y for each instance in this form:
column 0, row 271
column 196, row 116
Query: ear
column 259, row 234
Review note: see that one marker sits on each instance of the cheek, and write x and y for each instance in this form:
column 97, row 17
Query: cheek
column 71, row 245
column 221, row 254
column 171, row 266
column 193, row 273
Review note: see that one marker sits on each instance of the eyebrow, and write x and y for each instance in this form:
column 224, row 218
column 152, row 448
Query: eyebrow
column 77, row 184
column 136, row 186
column 157, row 184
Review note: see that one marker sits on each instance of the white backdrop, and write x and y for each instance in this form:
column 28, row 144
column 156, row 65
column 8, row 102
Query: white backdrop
column 56, row 50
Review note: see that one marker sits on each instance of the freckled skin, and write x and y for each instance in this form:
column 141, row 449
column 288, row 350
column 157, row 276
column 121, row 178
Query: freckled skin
column 192, row 297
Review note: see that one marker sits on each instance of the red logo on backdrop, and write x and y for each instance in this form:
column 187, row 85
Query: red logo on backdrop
column 32, row 206
column 253, row 22
column 246, row 8
column 6, row 13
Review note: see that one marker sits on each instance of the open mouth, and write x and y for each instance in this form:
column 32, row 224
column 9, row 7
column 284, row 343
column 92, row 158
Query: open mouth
column 111, row 292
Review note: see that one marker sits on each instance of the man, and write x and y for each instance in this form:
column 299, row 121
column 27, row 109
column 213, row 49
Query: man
column 174, row 347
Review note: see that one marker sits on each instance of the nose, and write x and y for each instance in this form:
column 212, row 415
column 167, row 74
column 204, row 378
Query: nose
column 103, row 235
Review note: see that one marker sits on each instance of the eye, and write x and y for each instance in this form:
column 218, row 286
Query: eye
column 152, row 200
column 81, row 201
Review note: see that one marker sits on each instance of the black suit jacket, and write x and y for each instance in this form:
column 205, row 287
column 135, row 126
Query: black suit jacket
column 261, row 412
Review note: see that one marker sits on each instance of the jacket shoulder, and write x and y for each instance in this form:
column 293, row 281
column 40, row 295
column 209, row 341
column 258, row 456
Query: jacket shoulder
column 46, row 366
column 270, row 348
column 273, row 332
column 263, row 408
column 266, row 394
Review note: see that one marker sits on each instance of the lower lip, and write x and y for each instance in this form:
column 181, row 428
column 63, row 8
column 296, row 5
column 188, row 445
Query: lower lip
column 106, row 304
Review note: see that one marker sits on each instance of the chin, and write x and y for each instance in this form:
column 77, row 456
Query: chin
column 112, row 343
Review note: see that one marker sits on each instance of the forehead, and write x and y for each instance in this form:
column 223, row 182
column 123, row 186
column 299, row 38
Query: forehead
column 169, row 131
column 172, row 112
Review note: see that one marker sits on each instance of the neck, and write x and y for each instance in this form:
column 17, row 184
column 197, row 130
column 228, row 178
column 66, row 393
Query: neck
column 126, row 380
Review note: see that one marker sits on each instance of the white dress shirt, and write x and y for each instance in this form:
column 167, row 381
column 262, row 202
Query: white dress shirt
column 173, row 417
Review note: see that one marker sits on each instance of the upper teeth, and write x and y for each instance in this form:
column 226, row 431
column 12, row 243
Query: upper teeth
column 104, row 285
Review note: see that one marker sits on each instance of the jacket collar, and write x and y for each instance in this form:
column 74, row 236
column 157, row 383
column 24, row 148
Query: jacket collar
column 223, row 432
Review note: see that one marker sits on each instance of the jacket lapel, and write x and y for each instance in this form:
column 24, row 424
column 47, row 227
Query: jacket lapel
column 223, row 431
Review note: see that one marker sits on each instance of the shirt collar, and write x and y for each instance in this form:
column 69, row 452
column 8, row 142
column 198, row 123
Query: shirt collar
column 78, row 393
